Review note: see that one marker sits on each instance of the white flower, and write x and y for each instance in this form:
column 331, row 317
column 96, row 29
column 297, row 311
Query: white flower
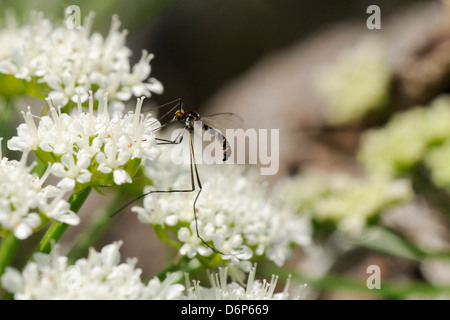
column 71, row 62
column 99, row 276
column 76, row 171
column 141, row 71
column 221, row 290
column 89, row 148
column 235, row 213
column 192, row 243
column 23, row 197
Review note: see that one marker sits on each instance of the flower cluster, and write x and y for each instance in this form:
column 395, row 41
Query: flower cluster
column 235, row 213
column 70, row 62
column 221, row 290
column 411, row 137
column 347, row 201
column 92, row 148
column 25, row 202
column 99, row 276
column 356, row 84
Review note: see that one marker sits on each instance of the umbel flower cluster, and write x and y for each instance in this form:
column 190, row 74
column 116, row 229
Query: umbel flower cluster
column 89, row 148
column 66, row 63
column 102, row 276
column 253, row 290
column 25, row 204
column 235, row 213
column 99, row 276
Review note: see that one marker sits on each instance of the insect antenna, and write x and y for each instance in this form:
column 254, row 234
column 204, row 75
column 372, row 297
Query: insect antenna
column 179, row 105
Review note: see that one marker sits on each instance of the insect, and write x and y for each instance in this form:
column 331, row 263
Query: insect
column 210, row 124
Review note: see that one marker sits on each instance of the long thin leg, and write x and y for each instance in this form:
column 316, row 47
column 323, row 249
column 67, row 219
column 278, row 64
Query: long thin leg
column 177, row 140
column 193, row 168
column 163, row 141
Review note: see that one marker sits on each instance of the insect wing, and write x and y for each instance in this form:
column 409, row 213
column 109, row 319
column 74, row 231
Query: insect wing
column 223, row 121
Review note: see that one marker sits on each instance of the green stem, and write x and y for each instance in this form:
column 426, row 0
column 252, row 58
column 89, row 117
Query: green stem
column 95, row 231
column 5, row 123
column 57, row 228
column 40, row 168
column 8, row 249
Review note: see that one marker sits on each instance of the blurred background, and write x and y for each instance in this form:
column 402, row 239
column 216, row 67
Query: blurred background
column 263, row 59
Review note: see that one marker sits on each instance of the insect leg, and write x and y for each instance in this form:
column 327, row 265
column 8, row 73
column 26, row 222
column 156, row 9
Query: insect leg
column 177, row 140
column 197, row 176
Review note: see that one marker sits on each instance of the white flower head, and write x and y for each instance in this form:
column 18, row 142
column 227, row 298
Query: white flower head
column 23, row 198
column 100, row 276
column 94, row 148
column 70, row 61
column 222, row 290
column 235, row 214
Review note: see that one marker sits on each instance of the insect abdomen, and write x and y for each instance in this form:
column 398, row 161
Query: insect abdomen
column 225, row 145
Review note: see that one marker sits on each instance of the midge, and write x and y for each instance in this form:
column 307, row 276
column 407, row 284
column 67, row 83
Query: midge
column 209, row 124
